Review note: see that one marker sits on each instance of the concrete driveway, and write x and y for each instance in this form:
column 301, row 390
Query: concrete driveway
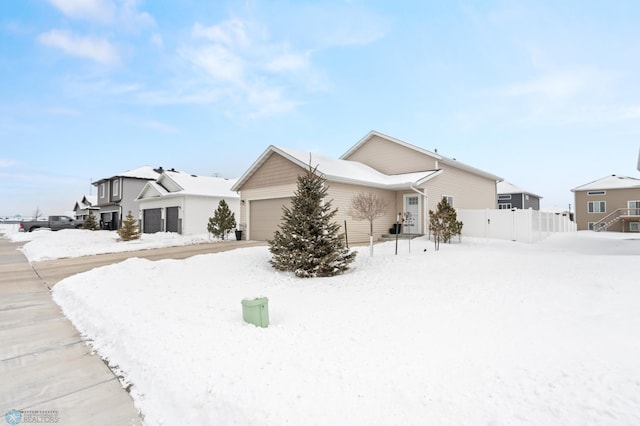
column 47, row 371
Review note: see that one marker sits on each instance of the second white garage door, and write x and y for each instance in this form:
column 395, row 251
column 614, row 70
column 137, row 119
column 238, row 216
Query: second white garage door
column 265, row 216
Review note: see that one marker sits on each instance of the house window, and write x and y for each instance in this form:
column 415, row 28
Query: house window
column 115, row 187
column 590, row 225
column 504, row 206
column 449, row 199
column 596, row 192
column 102, row 190
column 412, row 201
column 597, row 207
column 634, row 208
column 634, row 226
column 504, row 197
column 526, row 197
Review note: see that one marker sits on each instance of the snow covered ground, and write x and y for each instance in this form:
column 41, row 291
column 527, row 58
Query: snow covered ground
column 482, row 332
column 47, row 245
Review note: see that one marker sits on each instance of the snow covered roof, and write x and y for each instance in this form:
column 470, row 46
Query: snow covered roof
column 442, row 159
column 179, row 183
column 86, row 203
column 338, row 170
column 610, row 182
column 144, row 172
column 505, row 187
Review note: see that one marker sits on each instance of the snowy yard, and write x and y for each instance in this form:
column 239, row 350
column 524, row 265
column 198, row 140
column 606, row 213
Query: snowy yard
column 482, row 332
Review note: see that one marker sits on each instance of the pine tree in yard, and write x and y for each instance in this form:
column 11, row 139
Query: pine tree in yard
column 307, row 242
column 129, row 229
column 90, row 222
column 222, row 222
column 444, row 223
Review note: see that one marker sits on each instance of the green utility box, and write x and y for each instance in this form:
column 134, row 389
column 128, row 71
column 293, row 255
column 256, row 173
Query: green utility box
column 256, row 311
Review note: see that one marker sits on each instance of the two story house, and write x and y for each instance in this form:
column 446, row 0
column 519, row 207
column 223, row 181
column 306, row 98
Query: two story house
column 611, row 203
column 512, row 197
column 410, row 179
column 83, row 207
column 117, row 195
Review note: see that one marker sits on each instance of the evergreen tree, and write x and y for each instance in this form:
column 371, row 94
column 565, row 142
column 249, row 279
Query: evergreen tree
column 444, row 223
column 307, row 242
column 129, row 229
column 222, row 222
column 90, row 222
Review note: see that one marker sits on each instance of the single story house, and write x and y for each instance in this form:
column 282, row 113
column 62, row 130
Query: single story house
column 183, row 203
column 410, row 179
column 512, row 197
column 611, row 203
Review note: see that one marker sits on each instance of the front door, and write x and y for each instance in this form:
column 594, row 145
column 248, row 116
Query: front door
column 411, row 224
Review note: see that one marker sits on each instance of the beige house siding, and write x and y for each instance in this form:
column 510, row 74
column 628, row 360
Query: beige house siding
column 390, row 158
column 469, row 191
column 614, row 199
column 358, row 230
column 276, row 170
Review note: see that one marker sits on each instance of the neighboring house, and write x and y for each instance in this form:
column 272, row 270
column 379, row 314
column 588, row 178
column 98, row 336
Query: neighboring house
column 410, row 179
column 117, row 194
column 512, row 197
column 611, row 203
column 83, row 207
column 183, row 203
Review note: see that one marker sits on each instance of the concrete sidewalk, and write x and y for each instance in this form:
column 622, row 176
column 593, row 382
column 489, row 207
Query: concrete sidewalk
column 46, row 369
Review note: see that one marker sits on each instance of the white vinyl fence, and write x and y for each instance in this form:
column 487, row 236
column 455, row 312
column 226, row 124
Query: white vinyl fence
column 517, row 225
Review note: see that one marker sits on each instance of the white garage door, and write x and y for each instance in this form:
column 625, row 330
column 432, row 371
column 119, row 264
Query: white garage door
column 265, row 217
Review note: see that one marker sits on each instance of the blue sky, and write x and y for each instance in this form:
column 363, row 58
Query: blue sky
column 545, row 94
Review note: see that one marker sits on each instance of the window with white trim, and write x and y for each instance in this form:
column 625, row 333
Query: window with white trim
column 596, row 192
column 115, row 187
column 634, row 208
column 449, row 199
column 504, row 206
column 590, row 225
column 102, row 190
column 597, row 207
column 504, row 196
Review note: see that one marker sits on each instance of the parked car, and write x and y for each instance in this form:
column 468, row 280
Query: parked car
column 55, row 223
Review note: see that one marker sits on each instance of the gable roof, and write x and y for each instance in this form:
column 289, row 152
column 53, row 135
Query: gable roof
column 87, row 203
column 505, row 187
column 442, row 159
column 179, row 183
column 339, row 170
column 610, row 182
column 144, row 172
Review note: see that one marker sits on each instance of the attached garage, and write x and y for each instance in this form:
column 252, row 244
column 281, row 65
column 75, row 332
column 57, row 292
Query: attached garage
column 151, row 221
column 173, row 222
column 266, row 215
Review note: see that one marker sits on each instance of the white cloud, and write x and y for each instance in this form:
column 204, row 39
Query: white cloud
column 230, row 32
column 97, row 49
column 218, row 62
column 156, row 40
column 93, row 10
column 630, row 112
column 124, row 13
column 157, row 125
column 552, row 86
column 5, row 162
column 288, row 62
